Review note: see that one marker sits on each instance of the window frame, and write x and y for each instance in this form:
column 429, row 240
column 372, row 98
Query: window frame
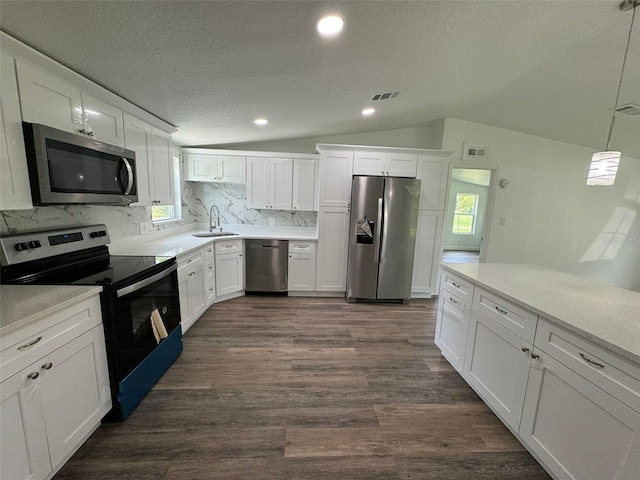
column 473, row 214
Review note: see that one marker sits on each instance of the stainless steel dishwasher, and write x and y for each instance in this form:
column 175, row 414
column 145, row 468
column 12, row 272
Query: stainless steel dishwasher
column 266, row 264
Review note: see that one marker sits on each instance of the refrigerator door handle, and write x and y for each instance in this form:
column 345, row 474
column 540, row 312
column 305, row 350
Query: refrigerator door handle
column 376, row 243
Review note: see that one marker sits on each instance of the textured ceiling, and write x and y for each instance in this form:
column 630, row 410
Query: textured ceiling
column 548, row 68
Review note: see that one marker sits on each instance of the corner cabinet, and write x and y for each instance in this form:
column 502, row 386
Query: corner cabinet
column 229, row 267
column 201, row 166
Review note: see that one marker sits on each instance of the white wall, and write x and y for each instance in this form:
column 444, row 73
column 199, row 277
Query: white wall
column 452, row 241
column 552, row 217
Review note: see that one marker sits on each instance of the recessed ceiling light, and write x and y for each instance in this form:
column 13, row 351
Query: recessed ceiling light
column 330, row 25
column 260, row 121
column 368, row 111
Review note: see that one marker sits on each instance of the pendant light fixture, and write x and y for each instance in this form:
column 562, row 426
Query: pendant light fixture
column 604, row 165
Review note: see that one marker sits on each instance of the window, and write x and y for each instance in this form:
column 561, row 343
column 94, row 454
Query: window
column 464, row 218
column 164, row 213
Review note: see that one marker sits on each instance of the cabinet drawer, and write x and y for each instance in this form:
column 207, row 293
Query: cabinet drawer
column 229, row 246
column 462, row 288
column 604, row 369
column 190, row 259
column 209, row 251
column 514, row 318
column 23, row 346
column 302, row 247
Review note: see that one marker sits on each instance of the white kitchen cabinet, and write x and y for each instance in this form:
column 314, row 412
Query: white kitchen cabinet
column 388, row 164
column 192, row 288
column 269, row 183
column 229, row 266
column 15, row 192
column 162, row 160
column 304, row 184
column 452, row 328
column 210, row 273
column 336, row 169
column 333, row 249
column 433, row 173
column 51, row 101
column 52, row 405
column 497, row 366
column 578, row 430
column 205, row 167
column 428, row 251
column 302, row 266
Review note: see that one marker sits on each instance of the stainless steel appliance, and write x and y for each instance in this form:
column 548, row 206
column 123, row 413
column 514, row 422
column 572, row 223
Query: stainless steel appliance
column 65, row 168
column 140, row 303
column 384, row 215
column 267, row 263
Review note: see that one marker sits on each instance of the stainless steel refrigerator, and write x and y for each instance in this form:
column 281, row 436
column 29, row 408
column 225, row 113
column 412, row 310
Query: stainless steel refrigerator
column 384, row 215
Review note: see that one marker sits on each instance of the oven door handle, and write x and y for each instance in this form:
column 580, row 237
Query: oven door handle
column 147, row 281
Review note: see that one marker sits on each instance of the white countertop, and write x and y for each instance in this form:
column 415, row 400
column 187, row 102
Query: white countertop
column 184, row 241
column 23, row 304
column 609, row 316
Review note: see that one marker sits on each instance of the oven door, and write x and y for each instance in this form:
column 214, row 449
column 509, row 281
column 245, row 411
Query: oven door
column 132, row 333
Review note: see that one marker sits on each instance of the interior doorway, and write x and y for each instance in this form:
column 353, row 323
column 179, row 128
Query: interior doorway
column 468, row 214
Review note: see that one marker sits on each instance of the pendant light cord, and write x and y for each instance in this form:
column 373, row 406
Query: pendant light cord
column 624, row 61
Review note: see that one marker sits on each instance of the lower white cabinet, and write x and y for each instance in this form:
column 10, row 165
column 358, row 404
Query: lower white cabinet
column 210, row 273
column 192, row 288
column 578, row 430
column 302, row 266
column 229, row 267
column 452, row 327
column 51, row 407
column 333, row 249
column 427, row 253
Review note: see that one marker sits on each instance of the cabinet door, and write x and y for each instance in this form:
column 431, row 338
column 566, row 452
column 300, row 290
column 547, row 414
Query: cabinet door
column 302, row 272
column 23, row 437
column 401, row 164
column 281, row 183
column 578, row 430
column 75, row 392
column 304, row 184
column 197, row 290
column 258, row 182
column 336, row 170
column 137, row 137
column 433, row 173
column 15, row 192
column 186, row 318
column 229, row 276
column 427, row 253
column 333, row 244
column 452, row 328
column 232, row 169
column 201, row 168
column 497, row 366
column 162, row 160
column 369, row 163
column 49, row 100
column 104, row 120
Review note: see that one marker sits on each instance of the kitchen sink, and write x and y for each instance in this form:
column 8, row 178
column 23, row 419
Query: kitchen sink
column 214, row 234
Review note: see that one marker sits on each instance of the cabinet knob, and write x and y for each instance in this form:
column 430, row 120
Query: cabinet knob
column 33, row 375
column 534, row 356
column 47, row 366
column 524, row 349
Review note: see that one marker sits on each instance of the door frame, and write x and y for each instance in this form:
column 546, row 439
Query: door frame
column 488, row 218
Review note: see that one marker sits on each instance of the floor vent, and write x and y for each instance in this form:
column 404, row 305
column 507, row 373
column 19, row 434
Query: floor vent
column 629, row 109
column 384, row 96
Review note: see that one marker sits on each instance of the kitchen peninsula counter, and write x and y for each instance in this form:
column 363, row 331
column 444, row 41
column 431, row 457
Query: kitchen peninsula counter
column 607, row 315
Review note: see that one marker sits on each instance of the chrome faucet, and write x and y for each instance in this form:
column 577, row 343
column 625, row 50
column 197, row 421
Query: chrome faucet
column 211, row 224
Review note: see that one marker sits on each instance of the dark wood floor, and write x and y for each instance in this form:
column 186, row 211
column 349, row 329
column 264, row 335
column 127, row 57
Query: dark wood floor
column 303, row 388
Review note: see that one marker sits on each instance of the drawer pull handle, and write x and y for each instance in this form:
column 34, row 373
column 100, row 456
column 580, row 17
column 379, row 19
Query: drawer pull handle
column 33, row 375
column 457, row 285
column 534, row 356
column 524, row 349
column 31, row 343
column 453, row 301
column 503, row 312
column 587, row 359
column 47, row 366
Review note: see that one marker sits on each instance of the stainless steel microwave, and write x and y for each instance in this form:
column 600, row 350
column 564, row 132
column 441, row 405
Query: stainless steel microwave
column 65, row 168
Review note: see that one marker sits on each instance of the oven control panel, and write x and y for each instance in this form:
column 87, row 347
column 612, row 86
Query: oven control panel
column 25, row 247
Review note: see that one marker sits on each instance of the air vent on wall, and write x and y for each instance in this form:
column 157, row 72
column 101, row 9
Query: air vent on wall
column 629, row 109
column 384, row 96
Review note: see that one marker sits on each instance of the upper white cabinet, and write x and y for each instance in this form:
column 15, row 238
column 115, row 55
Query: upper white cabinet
column 162, row 156
column 378, row 163
column 269, row 183
column 205, row 167
column 15, row 193
column 304, row 184
column 433, row 173
column 336, row 169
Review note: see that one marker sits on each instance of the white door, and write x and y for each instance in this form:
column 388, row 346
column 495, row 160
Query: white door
column 229, row 278
column 186, row 317
column 432, row 172
column 369, row 163
column 427, row 253
column 333, row 244
column 304, row 179
column 497, row 366
column 336, row 170
column 137, row 137
column 281, row 183
column 578, row 430
column 302, row 272
column 49, row 100
column 162, row 157
column 15, row 192
column 232, row 169
column 104, row 120
column 258, row 182
column 201, row 167
column 452, row 328
column 401, row 164
column 197, row 289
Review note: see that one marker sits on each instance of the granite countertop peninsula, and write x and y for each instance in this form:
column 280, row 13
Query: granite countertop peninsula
column 21, row 305
column 183, row 242
column 607, row 315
